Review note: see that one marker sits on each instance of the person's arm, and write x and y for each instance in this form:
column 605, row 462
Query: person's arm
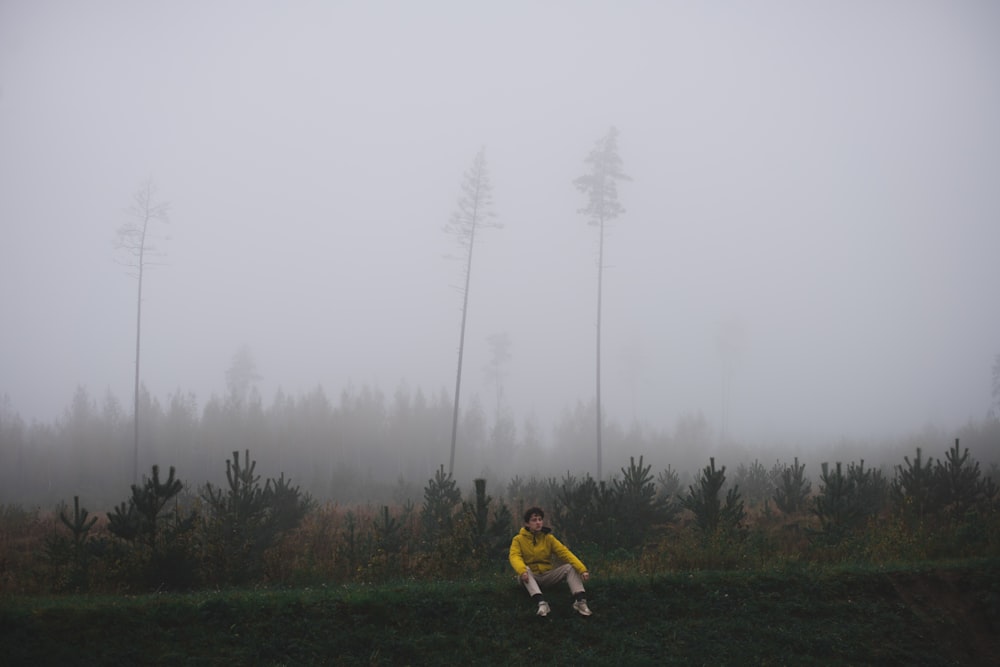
column 516, row 559
column 568, row 556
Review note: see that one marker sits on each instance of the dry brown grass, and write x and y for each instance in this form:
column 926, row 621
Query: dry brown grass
column 336, row 544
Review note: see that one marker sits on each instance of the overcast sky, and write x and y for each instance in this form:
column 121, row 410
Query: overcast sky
column 816, row 187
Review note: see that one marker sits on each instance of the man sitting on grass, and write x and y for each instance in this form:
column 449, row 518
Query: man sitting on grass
column 531, row 553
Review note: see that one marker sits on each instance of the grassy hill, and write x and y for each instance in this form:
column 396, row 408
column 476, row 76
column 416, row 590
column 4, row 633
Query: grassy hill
column 928, row 614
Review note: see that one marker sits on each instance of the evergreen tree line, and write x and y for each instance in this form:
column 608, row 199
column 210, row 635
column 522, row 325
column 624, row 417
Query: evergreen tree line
column 161, row 538
column 370, row 447
column 366, row 446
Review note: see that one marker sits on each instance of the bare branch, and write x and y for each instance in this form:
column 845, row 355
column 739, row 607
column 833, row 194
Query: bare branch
column 474, row 211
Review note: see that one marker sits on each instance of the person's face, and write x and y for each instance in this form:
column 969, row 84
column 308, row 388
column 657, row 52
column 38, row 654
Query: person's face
column 535, row 523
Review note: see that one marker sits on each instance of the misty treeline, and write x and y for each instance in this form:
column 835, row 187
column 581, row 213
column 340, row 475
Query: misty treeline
column 368, row 446
column 251, row 530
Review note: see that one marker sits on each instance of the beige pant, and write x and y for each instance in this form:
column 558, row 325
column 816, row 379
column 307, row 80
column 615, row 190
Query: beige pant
column 554, row 576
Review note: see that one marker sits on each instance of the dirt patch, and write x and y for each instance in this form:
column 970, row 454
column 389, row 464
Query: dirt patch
column 957, row 610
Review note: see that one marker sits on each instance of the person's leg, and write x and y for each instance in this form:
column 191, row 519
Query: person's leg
column 579, row 595
column 560, row 573
column 532, row 585
column 553, row 576
column 575, row 583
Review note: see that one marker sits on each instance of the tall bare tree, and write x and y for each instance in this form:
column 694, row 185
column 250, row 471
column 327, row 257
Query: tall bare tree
column 601, row 188
column 500, row 355
column 474, row 212
column 135, row 241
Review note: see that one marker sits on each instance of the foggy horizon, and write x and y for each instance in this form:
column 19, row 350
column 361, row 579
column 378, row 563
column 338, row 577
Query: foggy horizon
column 808, row 249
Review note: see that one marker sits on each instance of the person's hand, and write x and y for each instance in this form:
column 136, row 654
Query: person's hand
column 586, row 576
column 524, row 576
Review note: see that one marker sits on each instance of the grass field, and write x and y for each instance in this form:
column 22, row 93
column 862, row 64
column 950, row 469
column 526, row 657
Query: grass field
column 944, row 613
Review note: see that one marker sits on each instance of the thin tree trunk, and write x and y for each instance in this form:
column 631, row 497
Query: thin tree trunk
column 135, row 393
column 146, row 215
column 132, row 238
column 458, row 375
column 600, row 284
column 602, row 208
column 472, row 206
column 461, row 344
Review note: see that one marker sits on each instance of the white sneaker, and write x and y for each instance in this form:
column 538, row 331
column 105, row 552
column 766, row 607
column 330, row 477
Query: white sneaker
column 580, row 607
column 543, row 608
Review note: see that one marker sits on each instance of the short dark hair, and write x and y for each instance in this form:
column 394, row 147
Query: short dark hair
column 532, row 511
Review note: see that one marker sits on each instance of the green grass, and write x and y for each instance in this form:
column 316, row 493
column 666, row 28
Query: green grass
column 927, row 614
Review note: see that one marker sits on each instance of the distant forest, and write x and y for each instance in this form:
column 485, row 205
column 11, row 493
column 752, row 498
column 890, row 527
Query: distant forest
column 367, row 447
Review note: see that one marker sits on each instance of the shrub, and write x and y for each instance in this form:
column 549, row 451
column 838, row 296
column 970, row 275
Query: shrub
column 71, row 555
column 637, row 508
column 389, row 547
column 583, row 511
column 870, row 487
column 355, row 546
column 441, row 497
column 704, row 501
column 491, row 532
column 668, row 484
column 533, row 492
column 913, row 489
column 791, row 492
column 245, row 520
column 755, row 482
column 960, row 486
column 154, row 542
column 848, row 500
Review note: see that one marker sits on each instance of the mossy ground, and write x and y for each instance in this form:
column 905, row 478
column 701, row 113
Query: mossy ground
column 927, row 614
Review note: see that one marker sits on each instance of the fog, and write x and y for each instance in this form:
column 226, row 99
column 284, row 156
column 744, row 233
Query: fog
column 808, row 253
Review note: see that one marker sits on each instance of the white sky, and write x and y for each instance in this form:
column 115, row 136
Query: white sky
column 819, row 179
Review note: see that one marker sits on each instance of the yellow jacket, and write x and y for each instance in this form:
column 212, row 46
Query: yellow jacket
column 529, row 551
